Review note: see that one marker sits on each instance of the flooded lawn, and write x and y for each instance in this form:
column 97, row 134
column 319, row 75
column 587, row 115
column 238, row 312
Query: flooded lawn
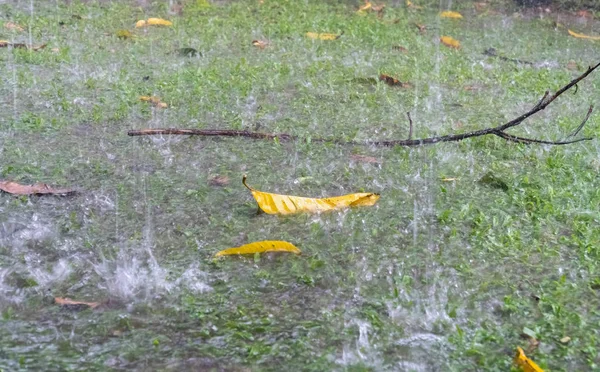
column 474, row 247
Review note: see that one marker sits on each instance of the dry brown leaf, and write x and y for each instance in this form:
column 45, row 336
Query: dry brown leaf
column 219, row 181
column 572, row 65
column 13, row 26
column 36, row 189
column 585, row 14
column 391, row 81
column 450, row 42
column 400, row 48
column 6, row 43
column 260, row 44
column 154, row 100
column 378, row 8
column 422, row 28
column 480, row 6
column 365, row 159
column 68, row 302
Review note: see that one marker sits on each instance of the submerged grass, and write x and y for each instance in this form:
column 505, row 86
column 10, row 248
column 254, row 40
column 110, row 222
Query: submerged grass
column 439, row 275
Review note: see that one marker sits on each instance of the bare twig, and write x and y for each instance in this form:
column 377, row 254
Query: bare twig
column 499, row 130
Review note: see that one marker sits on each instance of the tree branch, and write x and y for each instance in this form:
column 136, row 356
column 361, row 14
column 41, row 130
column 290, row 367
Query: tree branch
column 499, row 130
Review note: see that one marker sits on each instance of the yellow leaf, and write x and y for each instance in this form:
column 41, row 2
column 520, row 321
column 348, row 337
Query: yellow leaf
column 365, row 7
column 450, row 14
column 154, row 100
column 409, row 4
column 287, row 204
column 159, row 22
column 582, row 36
column 315, row 35
column 124, row 34
column 260, row 247
column 153, row 22
column 526, row 364
column 450, row 42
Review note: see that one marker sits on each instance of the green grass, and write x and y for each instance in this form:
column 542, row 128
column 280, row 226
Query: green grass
column 437, row 276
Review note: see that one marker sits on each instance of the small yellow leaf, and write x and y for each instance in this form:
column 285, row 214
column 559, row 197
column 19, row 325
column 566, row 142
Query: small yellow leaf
column 365, row 7
column 450, row 42
column 287, row 204
column 565, row 340
column 582, row 36
column 124, row 34
column 260, row 247
column 13, row 26
column 159, row 22
column 323, row 36
column 451, row 14
column 526, row 364
column 140, row 23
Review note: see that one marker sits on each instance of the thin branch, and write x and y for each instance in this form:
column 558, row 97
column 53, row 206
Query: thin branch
column 499, row 130
column 589, row 113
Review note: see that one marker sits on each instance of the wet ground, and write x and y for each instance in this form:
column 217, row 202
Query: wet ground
column 444, row 273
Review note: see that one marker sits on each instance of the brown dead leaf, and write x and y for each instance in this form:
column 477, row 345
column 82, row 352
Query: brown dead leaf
column 261, row 44
column 422, row 28
column 154, row 100
column 67, row 302
column 378, row 8
column 37, row 189
column 533, row 342
column 572, row 65
column 219, row 181
column 6, row 43
column 13, row 27
column 400, row 48
column 480, row 6
column 365, row 159
column 391, row 81
column 585, row 14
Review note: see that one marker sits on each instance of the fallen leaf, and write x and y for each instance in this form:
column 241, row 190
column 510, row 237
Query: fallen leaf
column 287, row 204
column 450, row 42
column 378, row 8
column 572, row 65
column 36, row 189
column 409, row 4
column 13, row 26
column 153, row 22
column 400, row 48
column 391, row 81
column 70, row 303
column 365, row 7
column 6, row 43
column 219, row 181
column 159, row 22
column 480, row 6
column 526, row 364
column 260, row 247
column 565, row 340
column 365, row 159
column 451, row 14
column 260, row 44
column 188, row 52
column 422, row 28
column 582, row 36
column 124, row 34
column 530, row 336
column 449, row 179
column 55, row 50
column 323, row 36
column 154, row 100
column 585, row 14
